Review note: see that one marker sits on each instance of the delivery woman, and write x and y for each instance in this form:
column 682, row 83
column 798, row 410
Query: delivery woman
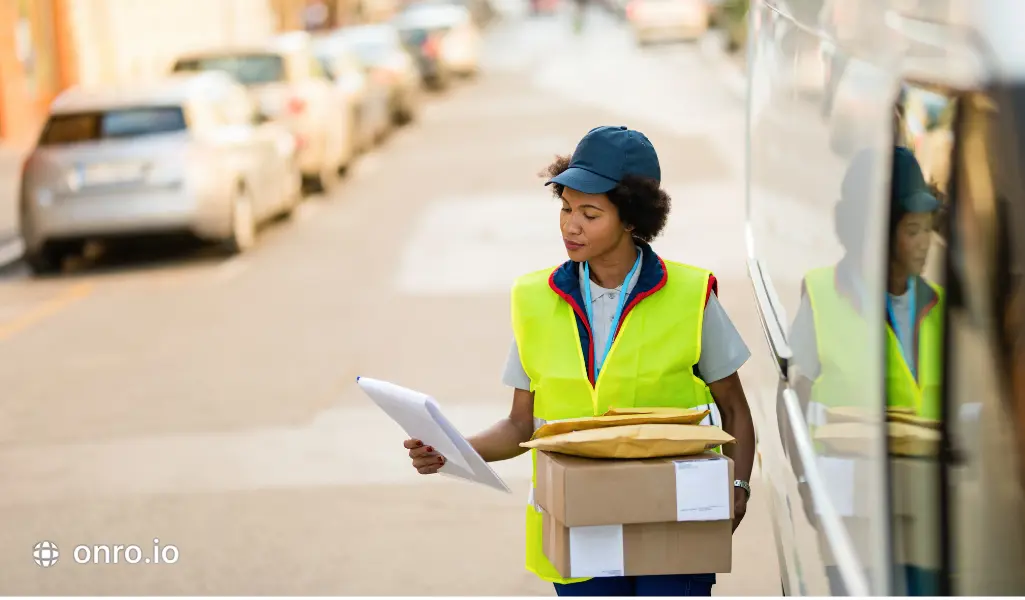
column 615, row 326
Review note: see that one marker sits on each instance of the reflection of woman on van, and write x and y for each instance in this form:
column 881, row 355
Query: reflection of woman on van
column 829, row 339
column 914, row 305
column 828, row 335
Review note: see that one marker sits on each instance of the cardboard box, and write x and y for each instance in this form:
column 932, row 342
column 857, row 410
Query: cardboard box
column 915, row 519
column 587, row 491
column 660, row 516
column 677, row 548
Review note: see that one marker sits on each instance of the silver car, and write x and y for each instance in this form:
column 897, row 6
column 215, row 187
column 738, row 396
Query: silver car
column 186, row 154
column 291, row 87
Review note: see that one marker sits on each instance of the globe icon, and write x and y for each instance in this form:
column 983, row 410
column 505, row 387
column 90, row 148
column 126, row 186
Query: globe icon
column 46, row 553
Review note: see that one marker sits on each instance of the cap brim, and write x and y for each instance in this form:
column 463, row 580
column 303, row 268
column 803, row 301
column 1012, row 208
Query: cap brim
column 920, row 202
column 583, row 180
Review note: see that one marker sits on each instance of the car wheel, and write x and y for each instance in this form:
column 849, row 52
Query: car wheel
column 243, row 223
column 45, row 261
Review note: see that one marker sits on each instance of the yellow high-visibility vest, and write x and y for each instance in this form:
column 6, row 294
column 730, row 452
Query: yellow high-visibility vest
column 840, row 334
column 651, row 363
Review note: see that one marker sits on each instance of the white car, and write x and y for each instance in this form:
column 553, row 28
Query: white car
column 184, row 155
column 446, row 31
column 668, row 20
column 291, row 87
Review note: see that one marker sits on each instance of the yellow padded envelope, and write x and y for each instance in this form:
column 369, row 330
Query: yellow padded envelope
column 678, row 416
column 634, row 441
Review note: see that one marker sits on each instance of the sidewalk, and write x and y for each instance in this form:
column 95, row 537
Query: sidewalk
column 11, row 158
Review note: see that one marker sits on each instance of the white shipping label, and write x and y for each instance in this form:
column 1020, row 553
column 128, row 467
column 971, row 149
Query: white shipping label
column 838, row 475
column 596, row 551
column 703, row 490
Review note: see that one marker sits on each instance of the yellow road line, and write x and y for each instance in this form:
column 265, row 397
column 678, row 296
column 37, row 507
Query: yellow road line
column 44, row 310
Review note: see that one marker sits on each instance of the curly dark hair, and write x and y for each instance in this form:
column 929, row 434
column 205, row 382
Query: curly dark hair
column 641, row 202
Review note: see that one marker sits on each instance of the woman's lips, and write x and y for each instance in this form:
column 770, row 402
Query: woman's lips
column 572, row 245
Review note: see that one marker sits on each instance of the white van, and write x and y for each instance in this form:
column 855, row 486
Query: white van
column 870, row 495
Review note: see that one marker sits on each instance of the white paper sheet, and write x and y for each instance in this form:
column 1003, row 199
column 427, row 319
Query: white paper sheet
column 420, row 417
column 703, row 490
column 596, row 551
column 838, row 475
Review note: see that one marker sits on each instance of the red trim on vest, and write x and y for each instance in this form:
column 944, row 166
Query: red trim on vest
column 713, row 286
column 583, row 317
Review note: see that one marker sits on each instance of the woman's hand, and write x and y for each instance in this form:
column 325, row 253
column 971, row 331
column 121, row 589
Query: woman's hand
column 425, row 459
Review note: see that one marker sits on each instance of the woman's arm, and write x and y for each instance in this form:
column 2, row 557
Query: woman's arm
column 729, row 396
column 502, row 440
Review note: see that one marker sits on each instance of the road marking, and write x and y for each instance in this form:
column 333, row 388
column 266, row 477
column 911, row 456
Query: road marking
column 44, row 310
column 11, row 252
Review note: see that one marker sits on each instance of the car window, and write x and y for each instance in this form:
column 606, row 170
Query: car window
column 249, row 69
column 122, row 123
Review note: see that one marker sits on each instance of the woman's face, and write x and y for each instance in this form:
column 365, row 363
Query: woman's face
column 590, row 225
column 914, row 234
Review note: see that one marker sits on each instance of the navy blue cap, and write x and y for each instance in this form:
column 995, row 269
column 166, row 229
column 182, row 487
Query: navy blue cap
column 908, row 189
column 605, row 156
column 909, row 192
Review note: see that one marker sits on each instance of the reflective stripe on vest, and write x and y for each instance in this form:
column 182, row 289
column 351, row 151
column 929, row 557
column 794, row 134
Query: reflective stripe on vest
column 651, row 363
column 843, row 352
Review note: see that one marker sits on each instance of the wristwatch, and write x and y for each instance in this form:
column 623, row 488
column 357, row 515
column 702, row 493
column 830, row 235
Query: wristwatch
column 739, row 483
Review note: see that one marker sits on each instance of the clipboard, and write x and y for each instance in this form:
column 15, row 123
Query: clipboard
column 421, row 418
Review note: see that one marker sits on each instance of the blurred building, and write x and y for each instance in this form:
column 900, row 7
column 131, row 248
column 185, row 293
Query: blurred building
column 48, row 45
column 130, row 40
column 36, row 63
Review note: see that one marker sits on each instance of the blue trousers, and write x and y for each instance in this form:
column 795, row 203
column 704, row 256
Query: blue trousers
column 641, row 585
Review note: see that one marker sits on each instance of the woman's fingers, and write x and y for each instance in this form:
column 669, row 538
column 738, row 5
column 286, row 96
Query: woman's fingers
column 421, row 451
column 424, row 459
column 429, row 464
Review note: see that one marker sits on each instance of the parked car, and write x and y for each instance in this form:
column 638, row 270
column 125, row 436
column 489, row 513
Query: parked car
column 185, row 154
column 667, row 20
column 291, row 87
column 380, row 49
column 444, row 39
column 368, row 96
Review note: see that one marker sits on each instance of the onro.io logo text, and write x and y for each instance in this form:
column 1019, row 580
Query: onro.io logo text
column 47, row 554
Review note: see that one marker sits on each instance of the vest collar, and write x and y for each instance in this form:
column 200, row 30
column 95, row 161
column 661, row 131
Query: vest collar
column 565, row 281
column 848, row 284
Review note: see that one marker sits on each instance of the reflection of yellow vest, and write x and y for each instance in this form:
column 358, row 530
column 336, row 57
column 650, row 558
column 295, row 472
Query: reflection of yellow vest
column 650, row 363
column 840, row 334
column 922, row 396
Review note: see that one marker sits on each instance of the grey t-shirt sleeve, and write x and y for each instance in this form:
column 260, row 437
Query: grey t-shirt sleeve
column 802, row 341
column 514, row 376
column 723, row 351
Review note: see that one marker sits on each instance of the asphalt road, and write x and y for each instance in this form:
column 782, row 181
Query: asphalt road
column 211, row 403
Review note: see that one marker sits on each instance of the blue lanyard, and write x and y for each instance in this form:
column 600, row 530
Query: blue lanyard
column 906, row 345
column 599, row 357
